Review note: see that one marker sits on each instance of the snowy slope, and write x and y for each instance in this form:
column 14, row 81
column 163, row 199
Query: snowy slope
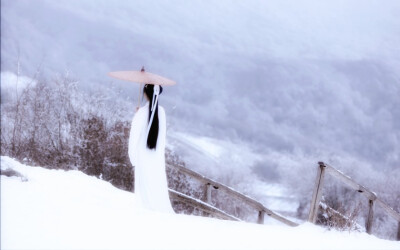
column 54, row 209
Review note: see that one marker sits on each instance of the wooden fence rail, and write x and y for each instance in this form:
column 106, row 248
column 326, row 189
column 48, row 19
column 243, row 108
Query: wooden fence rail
column 175, row 195
column 371, row 196
column 214, row 185
column 323, row 169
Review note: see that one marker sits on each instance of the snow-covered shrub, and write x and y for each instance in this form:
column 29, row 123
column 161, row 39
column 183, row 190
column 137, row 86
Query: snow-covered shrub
column 341, row 218
column 53, row 124
column 92, row 151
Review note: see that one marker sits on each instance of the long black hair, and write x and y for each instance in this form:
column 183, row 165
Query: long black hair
column 148, row 90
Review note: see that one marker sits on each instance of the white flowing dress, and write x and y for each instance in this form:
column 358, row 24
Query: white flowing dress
column 151, row 188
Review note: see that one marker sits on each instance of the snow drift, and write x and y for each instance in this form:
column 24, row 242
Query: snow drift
column 56, row 209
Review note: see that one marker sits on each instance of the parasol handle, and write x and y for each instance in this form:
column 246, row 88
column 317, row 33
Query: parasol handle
column 140, row 88
column 138, row 106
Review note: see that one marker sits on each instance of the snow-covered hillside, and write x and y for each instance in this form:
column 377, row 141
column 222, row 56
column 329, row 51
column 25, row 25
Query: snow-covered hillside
column 55, row 209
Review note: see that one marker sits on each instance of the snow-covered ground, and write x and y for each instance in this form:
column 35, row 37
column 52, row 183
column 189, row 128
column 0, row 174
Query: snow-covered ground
column 55, row 209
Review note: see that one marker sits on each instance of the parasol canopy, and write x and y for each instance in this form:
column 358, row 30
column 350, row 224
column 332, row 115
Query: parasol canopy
column 141, row 77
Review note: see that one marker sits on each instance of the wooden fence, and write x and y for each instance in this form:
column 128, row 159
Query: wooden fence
column 206, row 205
column 371, row 196
column 209, row 185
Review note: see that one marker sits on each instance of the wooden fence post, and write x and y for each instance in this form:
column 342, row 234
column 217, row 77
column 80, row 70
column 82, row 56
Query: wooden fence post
column 317, row 193
column 133, row 179
column 209, row 186
column 260, row 219
column 398, row 231
column 368, row 224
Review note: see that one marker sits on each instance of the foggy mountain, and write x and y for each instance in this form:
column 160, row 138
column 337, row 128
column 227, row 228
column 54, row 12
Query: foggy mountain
column 294, row 82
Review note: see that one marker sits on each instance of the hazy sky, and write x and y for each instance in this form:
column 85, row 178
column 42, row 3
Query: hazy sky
column 309, row 79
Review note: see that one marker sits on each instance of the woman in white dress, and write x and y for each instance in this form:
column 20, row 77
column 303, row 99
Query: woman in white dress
column 147, row 153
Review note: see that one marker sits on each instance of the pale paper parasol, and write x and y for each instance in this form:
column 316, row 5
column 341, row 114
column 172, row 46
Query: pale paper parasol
column 141, row 77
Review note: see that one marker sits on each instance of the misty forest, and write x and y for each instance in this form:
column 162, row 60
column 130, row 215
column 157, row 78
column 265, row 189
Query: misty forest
column 264, row 92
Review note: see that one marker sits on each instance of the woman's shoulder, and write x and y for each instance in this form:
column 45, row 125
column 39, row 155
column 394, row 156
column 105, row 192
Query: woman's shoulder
column 141, row 112
column 161, row 110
